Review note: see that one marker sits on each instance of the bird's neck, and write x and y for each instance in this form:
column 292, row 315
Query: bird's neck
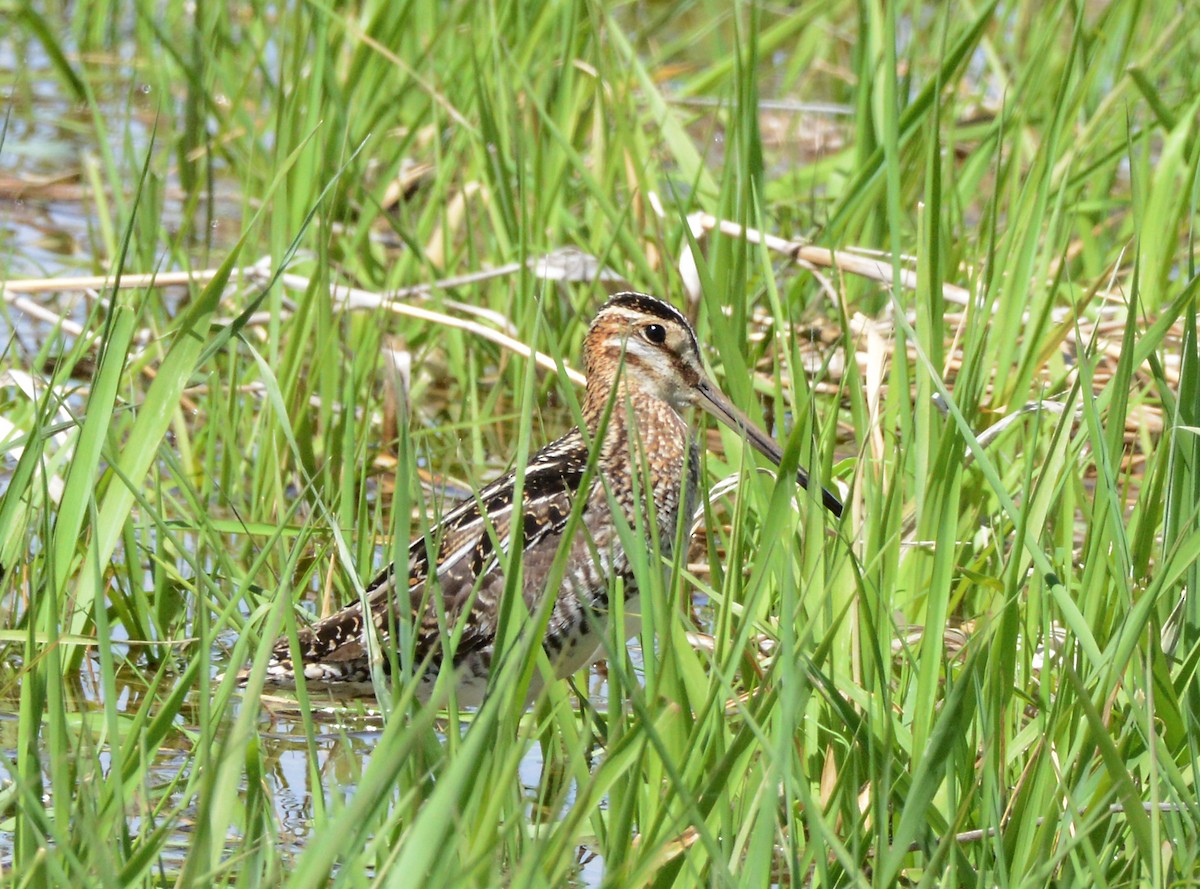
column 609, row 411
column 606, row 408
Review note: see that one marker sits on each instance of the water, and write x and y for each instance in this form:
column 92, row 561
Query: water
column 50, row 226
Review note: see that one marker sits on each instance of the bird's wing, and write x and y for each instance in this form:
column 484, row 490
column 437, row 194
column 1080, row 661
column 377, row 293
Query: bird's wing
column 468, row 567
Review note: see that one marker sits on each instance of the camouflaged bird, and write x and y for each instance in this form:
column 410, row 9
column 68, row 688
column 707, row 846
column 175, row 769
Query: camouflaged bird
column 643, row 372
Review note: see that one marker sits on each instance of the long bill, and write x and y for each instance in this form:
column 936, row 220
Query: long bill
column 714, row 401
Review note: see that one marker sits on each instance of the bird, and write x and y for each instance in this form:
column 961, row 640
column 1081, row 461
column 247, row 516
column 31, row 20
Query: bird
column 644, row 376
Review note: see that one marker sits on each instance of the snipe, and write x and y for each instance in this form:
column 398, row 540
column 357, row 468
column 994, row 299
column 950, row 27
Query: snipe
column 643, row 372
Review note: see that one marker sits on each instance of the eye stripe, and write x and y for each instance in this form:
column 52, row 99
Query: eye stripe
column 642, row 304
column 626, row 310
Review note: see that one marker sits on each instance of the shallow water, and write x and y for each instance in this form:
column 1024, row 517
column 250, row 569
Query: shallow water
column 344, row 739
column 50, row 226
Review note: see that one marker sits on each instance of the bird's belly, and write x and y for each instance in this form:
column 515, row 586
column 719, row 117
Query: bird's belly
column 576, row 652
column 470, row 681
column 581, row 650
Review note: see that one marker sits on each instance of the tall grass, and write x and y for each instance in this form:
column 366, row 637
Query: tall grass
column 985, row 674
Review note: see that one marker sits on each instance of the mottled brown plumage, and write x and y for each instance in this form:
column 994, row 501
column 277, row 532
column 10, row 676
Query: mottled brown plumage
column 643, row 372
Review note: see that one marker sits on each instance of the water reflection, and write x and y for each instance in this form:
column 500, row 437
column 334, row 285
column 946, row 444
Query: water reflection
column 299, row 777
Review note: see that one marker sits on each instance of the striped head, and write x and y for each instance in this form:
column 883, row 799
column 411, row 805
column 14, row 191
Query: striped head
column 651, row 347
column 649, row 344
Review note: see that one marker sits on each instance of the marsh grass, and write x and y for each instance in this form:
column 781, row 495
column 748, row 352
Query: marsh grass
column 984, row 675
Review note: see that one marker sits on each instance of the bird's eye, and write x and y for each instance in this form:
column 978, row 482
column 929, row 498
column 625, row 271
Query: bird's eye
column 655, row 333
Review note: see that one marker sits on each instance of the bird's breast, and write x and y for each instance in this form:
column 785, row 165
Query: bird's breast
column 653, row 460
